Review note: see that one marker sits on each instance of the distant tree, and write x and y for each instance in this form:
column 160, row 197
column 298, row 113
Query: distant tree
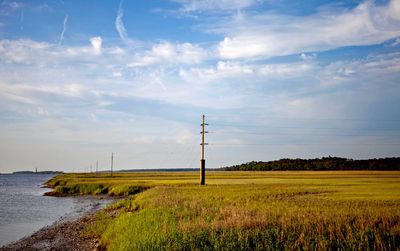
column 325, row 163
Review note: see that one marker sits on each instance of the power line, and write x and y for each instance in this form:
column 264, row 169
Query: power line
column 305, row 144
column 307, row 134
column 307, row 128
column 312, row 119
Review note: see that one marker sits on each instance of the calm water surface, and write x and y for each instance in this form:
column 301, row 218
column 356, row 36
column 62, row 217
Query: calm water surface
column 24, row 209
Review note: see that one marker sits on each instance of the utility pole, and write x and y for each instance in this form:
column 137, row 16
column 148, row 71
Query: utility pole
column 112, row 163
column 97, row 166
column 203, row 161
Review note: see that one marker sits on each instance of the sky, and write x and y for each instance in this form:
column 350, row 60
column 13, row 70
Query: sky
column 274, row 78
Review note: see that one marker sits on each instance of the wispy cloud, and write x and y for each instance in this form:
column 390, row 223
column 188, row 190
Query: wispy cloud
column 9, row 7
column 21, row 20
column 119, row 25
column 63, row 31
column 210, row 5
column 268, row 35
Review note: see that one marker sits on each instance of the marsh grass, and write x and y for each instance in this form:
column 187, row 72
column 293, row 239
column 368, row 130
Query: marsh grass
column 249, row 211
column 89, row 184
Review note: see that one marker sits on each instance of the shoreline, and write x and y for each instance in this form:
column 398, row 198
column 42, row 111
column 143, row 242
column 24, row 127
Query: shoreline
column 64, row 234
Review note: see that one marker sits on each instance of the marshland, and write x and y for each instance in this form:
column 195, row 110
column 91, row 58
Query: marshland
column 243, row 210
column 109, row 107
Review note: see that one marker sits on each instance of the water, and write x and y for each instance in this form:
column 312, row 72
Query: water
column 24, row 209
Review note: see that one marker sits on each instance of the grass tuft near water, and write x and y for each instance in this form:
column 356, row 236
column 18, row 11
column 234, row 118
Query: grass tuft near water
column 90, row 184
column 247, row 211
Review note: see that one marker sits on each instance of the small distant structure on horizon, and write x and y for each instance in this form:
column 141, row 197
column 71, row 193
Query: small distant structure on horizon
column 112, row 163
column 36, row 170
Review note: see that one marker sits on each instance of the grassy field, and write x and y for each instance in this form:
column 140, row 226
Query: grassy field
column 245, row 210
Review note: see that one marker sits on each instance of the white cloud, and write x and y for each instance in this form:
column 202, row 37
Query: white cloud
column 68, row 90
column 163, row 50
column 166, row 52
column 63, row 31
column 116, row 51
column 42, row 111
column 22, row 51
column 366, row 73
column 308, row 56
column 267, row 35
column 26, row 51
column 229, row 70
column 107, row 75
column 245, row 46
column 95, row 49
column 285, row 70
column 96, row 44
column 73, row 90
column 117, row 74
column 15, row 98
column 184, row 136
column 396, row 42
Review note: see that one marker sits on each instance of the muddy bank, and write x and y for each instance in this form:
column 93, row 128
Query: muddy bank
column 62, row 235
column 68, row 233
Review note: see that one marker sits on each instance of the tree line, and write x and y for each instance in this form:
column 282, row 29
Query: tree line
column 325, row 163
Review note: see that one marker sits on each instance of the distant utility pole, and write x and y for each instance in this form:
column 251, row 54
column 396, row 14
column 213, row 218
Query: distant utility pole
column 203, row 161
column 112, row 163
column 97, row 166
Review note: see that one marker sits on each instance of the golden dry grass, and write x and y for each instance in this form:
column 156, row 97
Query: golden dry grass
column 250, row 210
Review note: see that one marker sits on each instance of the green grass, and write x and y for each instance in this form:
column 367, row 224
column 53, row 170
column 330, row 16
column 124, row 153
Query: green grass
column 245, row 210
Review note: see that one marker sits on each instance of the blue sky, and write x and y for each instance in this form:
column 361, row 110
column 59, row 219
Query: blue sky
column 275, row 78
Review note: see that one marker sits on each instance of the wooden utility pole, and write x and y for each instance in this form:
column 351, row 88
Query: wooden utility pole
column 203, row 161
column 112, row 163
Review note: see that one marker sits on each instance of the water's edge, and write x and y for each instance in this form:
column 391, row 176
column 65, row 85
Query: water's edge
column 24, row 210
column 65, row 234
